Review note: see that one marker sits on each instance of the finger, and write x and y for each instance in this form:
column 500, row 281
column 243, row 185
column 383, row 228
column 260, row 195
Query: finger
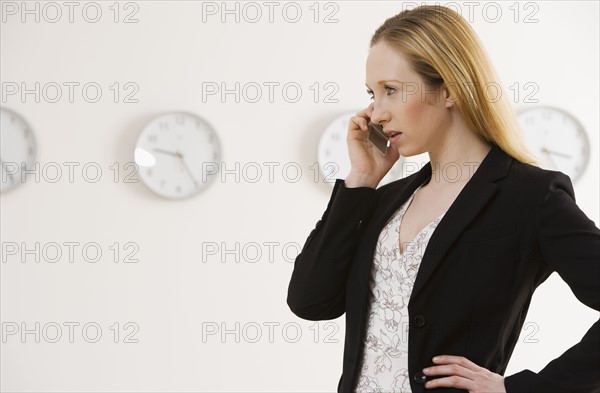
column 366, row 113
column 461, row 360
column 361, row 122
column 451, row 382
column 451, row 369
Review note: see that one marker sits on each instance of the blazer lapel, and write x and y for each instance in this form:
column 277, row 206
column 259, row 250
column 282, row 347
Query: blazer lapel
column 467, row 205
column 390, row 201
column 469, row 202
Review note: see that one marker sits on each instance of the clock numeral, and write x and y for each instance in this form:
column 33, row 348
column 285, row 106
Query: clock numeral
column 163, row 125
column 152, row 138
column 546, row 115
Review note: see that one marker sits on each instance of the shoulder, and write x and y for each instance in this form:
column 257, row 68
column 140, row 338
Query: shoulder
column 534, row 180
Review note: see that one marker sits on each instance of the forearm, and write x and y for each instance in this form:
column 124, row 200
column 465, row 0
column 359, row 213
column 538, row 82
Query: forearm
column 317, row 285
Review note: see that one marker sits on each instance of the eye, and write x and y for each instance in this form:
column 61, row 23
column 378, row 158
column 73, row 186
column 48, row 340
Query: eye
column 388, row 88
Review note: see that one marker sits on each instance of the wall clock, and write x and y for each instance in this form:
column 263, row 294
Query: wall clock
column 332, row 153
column 557, row 138
column 17, row 149
column 178, row 155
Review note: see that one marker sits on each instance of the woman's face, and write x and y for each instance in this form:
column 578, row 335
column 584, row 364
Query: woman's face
column 402, row 102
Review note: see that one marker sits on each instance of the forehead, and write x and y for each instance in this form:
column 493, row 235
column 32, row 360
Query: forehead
column 387, row 63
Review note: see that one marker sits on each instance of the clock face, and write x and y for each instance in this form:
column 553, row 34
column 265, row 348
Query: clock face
column 178, row 155
column 557, row 138
column 333, row 156
column 17, row 149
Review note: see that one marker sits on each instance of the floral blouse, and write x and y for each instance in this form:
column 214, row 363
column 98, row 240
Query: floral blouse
column 385, row 360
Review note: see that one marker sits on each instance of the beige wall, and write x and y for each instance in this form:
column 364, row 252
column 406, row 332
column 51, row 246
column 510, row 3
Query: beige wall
column 171, row 294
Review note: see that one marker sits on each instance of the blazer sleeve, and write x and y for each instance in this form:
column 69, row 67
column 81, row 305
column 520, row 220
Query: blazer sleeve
column 317, row 286
column 570, row 245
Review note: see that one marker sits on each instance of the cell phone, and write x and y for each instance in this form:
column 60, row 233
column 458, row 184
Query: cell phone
column 377, row 137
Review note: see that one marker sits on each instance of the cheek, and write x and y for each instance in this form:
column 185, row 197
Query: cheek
column 415, row 111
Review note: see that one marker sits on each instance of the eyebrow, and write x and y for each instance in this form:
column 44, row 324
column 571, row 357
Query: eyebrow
column 385, row 81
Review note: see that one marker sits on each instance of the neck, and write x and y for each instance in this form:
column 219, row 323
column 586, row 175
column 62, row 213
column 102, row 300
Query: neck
column 455, row 162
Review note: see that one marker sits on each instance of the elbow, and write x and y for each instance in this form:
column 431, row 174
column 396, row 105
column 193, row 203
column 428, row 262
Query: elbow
column 298, row 309
column 301, row 312
column 319, row 312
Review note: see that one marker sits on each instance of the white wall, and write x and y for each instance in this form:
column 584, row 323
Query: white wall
column 170, row 293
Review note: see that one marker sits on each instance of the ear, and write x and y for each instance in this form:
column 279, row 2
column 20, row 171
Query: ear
column 448, row 99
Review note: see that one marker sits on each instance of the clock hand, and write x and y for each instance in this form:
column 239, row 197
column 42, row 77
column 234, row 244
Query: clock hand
column 187, row 168
column 558, row 153
column 180, row 157
column 546, row 152
column 166, row 152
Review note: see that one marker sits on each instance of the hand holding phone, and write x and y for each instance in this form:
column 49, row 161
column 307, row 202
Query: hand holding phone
column 378, row 138
column 368, row 166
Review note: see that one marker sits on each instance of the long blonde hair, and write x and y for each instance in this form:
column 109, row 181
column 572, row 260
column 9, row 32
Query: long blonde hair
column 443, row 49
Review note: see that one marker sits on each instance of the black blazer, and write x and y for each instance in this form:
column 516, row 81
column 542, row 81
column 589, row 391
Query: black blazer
column 511, row 226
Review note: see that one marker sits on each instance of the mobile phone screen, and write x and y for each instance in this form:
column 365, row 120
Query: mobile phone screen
column 377, row 137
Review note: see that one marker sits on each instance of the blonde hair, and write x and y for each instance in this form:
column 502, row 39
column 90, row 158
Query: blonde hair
column 444, row 50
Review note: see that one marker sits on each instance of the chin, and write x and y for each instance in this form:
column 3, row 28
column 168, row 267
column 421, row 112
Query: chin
column 407, row 151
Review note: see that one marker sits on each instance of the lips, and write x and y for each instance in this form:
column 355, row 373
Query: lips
column 391, row 133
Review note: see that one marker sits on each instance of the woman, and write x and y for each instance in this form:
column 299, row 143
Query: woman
column 444, row 261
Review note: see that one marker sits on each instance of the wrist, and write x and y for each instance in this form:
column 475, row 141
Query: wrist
column 354, row 180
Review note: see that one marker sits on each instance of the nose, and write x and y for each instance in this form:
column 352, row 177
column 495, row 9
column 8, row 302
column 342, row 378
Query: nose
column 378, row 116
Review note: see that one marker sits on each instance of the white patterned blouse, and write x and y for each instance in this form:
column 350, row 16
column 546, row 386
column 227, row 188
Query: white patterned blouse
column 385, row 359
